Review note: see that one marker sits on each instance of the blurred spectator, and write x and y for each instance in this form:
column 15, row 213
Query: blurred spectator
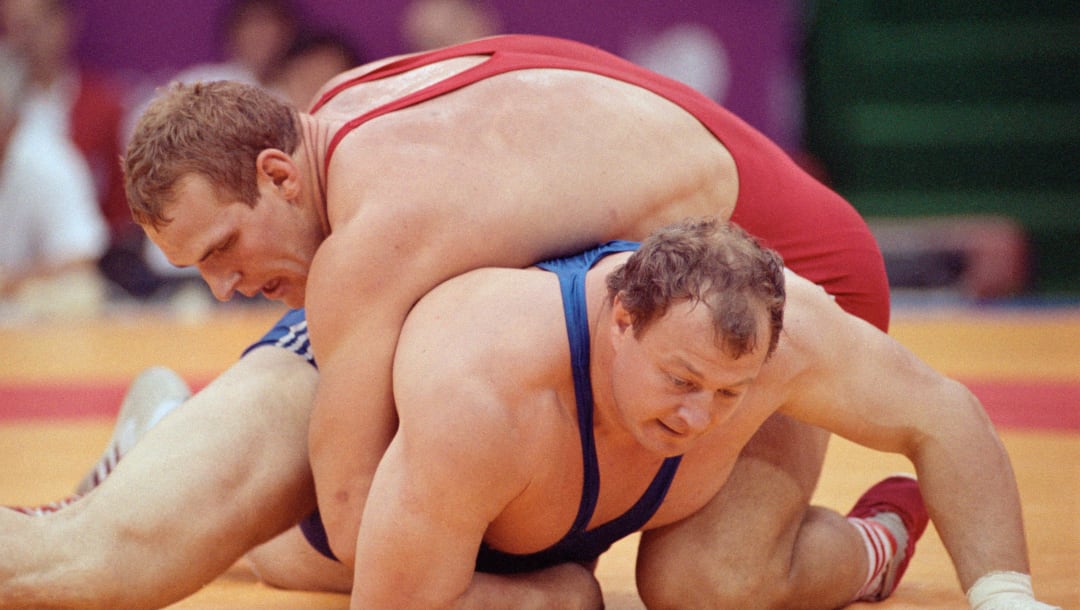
column 689, row 52
column 87, row 106
column 254, row 35
column 431, row 24
column 313, row 58
column 53, row 232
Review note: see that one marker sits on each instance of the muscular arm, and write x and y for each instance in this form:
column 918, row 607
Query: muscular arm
column 353, row 417
column 866, row 387
column 461, row 455
column 369, row 273
column 431, row 500
column 457, row 460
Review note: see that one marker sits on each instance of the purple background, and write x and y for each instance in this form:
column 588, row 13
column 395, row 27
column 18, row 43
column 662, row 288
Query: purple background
column 148, row 41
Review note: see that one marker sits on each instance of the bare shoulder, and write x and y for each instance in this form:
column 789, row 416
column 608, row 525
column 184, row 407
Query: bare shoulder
column 807, row 308
column 501, row 325
column 496, row 330
column 833, row 367
column 815, row 336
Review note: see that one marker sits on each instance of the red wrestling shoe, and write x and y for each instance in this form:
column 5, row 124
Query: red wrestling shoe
column 898, row 494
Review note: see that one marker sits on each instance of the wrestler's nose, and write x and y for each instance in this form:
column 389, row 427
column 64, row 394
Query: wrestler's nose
column 223, row 285
column 697, row 412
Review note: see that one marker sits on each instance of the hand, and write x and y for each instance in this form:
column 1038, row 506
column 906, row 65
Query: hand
column 577, row 583
column 568, row 586
column 1005, row 591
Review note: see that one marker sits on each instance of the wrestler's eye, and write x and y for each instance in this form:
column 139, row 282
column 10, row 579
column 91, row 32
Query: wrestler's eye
column 680, row 383
column 218, row 249
column 225, row 245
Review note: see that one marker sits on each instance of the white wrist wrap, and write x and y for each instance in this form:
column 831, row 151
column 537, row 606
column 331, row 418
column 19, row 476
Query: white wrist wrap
column 1004, row 591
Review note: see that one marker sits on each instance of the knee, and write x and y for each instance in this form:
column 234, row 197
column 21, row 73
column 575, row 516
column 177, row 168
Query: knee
column 689, row 578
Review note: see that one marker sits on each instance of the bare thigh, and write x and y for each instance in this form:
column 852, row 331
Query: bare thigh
column 746, row 535
column 224, row 472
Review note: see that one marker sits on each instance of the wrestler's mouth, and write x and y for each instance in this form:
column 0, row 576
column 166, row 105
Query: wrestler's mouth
column 670, row 441
column 676, row 431
column 272, row 289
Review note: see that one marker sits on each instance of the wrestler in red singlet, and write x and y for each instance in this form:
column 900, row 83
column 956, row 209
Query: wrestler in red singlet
column 819, row 234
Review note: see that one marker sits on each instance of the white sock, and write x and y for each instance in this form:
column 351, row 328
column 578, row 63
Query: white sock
column 881, row 535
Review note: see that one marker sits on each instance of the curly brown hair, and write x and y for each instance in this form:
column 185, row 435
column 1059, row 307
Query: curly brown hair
column 707, row 261
column 215, row 130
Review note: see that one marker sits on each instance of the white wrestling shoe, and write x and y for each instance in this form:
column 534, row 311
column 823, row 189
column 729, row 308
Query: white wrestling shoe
column 154, row 394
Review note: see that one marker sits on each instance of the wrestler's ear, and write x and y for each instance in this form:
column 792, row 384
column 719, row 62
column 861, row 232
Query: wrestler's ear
column 278, row 166
column 621, row 320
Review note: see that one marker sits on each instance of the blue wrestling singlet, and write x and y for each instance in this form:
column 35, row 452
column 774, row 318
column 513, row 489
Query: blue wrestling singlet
column 581, row 545
column 289, row 333
column 578, row 545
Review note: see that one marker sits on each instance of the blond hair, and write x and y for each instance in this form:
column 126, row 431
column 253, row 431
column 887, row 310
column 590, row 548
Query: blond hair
column 215, row 130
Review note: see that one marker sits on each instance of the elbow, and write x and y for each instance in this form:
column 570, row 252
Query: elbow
column 965, row 410
column 958, row 422
column 341, row 536
column 338, row 523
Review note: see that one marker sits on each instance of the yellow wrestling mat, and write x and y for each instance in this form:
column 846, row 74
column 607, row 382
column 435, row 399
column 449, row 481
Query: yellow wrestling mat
column 1024, row 364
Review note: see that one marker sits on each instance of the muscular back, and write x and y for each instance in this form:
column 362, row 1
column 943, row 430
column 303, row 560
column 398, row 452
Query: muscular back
column 550, row 161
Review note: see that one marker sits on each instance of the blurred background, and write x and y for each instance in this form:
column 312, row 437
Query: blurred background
column 953, row 127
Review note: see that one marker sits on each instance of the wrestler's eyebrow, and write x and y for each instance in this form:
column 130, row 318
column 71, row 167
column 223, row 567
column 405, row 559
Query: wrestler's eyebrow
column 209, row 251
column 694, row 371
column 218, row 245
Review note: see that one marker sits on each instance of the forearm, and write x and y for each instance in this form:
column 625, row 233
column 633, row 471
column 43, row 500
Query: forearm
column 970, row 491
column 568, row 586
column 349, row 431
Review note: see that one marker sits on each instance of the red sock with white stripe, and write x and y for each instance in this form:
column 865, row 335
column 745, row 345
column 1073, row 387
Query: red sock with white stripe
column 880, row 538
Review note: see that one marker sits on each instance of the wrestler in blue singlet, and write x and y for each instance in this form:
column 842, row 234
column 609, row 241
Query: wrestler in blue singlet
column 581, row 545
column 578, row 545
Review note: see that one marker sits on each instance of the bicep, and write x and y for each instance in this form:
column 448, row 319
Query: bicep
column 359, row 293
column 860, row 383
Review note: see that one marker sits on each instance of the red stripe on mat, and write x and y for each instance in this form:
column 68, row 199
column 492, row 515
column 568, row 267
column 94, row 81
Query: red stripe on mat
column 62, row 400
column 1053, row 406
column 65, row 400
column 1009, row 404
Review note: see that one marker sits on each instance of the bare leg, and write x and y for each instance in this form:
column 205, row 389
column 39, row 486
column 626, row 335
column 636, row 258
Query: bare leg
column 220, row 475
column 758, row 543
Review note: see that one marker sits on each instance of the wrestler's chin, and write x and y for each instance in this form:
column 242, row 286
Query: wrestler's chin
column 664, row 441
column 285, row 293
column 292, row 299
